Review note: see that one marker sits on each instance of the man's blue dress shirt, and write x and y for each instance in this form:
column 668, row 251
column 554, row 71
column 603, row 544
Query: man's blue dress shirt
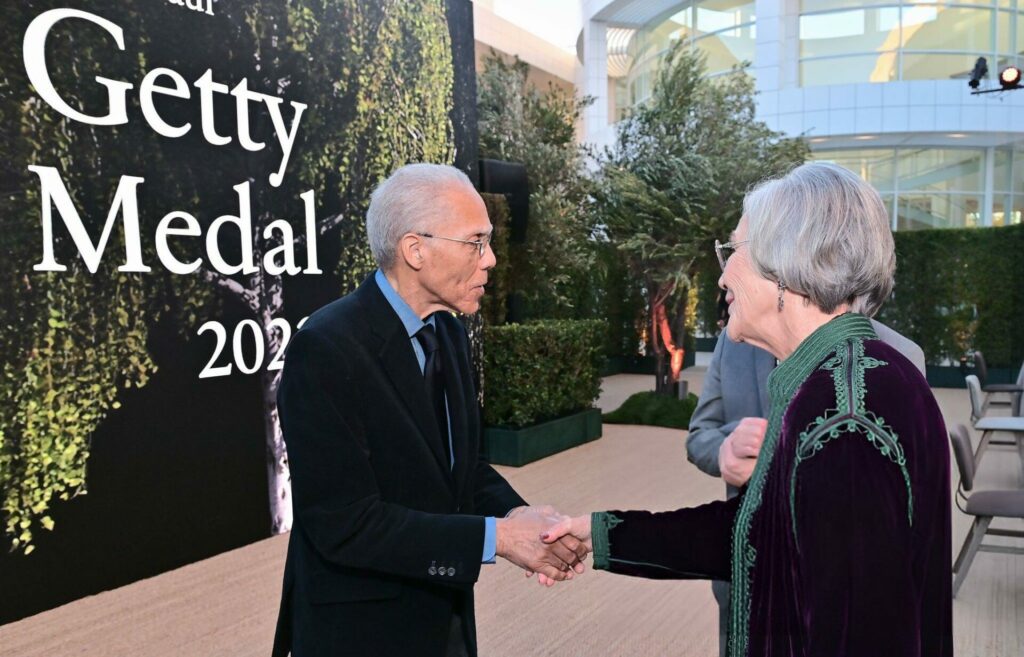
column 412, row 325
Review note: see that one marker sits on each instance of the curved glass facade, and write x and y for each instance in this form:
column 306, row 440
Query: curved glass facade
column 843, row 42
column 952, row 177
column 724, row 30
column 941, row 187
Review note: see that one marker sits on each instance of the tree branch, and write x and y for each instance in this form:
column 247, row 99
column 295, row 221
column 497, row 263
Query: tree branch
column 248, row 297
column 330, row 223
column 325, row 227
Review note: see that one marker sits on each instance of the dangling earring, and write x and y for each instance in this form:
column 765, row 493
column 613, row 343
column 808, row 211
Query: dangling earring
column 782, row 290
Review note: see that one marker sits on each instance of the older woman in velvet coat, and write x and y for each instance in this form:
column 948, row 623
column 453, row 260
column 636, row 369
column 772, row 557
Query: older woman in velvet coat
column 839, row 545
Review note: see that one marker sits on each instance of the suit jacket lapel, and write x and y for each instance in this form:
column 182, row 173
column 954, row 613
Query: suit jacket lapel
column 399, row 361
column 455, row 389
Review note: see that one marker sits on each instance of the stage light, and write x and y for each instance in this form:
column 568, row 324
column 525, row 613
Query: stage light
column 980, row 71
column 1009, row 78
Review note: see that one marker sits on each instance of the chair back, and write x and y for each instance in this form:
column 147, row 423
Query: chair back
column 963, row 455
column 981, row 368
column 1018, row 397
column 974, row 392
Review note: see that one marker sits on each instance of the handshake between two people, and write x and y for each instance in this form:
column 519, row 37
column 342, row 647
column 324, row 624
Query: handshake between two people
column 541, row 540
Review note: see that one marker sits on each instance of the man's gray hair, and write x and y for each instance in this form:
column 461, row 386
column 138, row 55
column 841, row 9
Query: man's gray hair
column 408, row 202
column 823, row 232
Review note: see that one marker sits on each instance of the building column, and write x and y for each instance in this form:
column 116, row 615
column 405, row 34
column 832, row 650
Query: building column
column 989, row 182
column 790, row 37
column 595, row 82
column 768, row 49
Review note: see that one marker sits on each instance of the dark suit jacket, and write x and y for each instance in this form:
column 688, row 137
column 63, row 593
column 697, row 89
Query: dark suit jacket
column 386, row 541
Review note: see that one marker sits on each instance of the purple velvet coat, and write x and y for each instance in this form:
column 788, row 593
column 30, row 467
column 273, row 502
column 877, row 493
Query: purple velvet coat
column 839, row 545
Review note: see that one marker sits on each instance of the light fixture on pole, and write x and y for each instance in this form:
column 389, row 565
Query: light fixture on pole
column 979, row 72
column 1009, row 77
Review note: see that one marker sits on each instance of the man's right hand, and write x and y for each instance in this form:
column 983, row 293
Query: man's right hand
column 738, row 454
column 518, row 540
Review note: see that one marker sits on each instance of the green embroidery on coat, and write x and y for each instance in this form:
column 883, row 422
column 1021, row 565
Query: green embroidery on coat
column 600, row 524
column 783, row 383
column 850, row 416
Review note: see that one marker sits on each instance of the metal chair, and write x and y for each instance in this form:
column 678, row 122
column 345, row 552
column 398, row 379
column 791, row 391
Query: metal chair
column 1012, row 389
column 988, row 424
column 1017, row 408
column 985, row 506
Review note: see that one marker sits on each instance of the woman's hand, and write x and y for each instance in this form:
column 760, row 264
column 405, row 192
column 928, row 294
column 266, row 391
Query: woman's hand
column 578, row 527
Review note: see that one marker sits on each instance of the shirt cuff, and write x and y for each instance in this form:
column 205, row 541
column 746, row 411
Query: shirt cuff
column 490, row 540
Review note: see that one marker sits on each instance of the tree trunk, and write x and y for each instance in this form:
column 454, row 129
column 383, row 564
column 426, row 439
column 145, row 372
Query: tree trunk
column 264, row 296
column 270, row 293
column 668, row 356
column 279, row 480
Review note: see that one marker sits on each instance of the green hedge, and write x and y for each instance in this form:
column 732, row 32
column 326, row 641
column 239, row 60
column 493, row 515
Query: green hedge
column 653, row 409
column 958, row 290
column 541, row 370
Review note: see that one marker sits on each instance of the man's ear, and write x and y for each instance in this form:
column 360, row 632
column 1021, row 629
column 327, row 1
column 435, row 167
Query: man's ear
column 411, row 249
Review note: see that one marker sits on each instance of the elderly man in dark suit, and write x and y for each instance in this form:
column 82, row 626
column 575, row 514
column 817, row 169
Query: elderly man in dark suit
column 395, row 510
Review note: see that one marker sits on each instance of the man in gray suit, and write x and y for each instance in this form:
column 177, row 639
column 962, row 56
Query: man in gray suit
column 728, row 425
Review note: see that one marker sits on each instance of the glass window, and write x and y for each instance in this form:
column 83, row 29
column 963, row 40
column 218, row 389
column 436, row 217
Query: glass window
column 887, row 201
column 727, row 49
column 935, row 40
column 1019, row 49
column 849, row 70
column 858, row 30
column 917, row 211
column 1000, row 206
column 1004, row 31
column 650, row 42
column 640, row 88
column 1017, row 211
column 937, row 66
column 1008, row 210
column 1018, row 169
column 934, row 27
column 684, row 17
column 1002, row 180
column 715, row 15
column 940, row 170
column 807, row 6
column 873, row 165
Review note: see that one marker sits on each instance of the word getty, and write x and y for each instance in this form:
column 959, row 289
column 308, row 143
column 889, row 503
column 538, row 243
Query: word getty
column 163, row 82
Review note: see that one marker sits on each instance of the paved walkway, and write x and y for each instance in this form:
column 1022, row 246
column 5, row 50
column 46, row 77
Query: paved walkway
column 226, row 606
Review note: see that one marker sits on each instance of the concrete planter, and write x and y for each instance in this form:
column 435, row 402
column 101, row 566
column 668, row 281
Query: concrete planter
column 518, row 447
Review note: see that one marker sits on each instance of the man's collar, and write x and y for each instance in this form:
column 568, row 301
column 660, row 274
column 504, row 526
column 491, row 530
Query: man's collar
column 405, row 313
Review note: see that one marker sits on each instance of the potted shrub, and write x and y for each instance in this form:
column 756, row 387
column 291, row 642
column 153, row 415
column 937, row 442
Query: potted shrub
column 540, row 382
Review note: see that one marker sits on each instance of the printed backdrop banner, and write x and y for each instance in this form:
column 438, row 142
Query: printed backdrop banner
column 183, row 182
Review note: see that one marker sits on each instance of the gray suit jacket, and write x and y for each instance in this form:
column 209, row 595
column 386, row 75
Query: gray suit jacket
column 736, row 386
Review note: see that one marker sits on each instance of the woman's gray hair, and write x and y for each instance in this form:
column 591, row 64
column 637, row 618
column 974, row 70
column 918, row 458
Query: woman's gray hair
column 823, row 232
column 408, row 202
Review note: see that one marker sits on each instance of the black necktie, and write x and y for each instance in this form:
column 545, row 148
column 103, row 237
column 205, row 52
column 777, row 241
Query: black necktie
column 433, row 377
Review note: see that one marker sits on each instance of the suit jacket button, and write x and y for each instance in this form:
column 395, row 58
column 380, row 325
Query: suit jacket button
column 451, row 572
column 431, row 571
